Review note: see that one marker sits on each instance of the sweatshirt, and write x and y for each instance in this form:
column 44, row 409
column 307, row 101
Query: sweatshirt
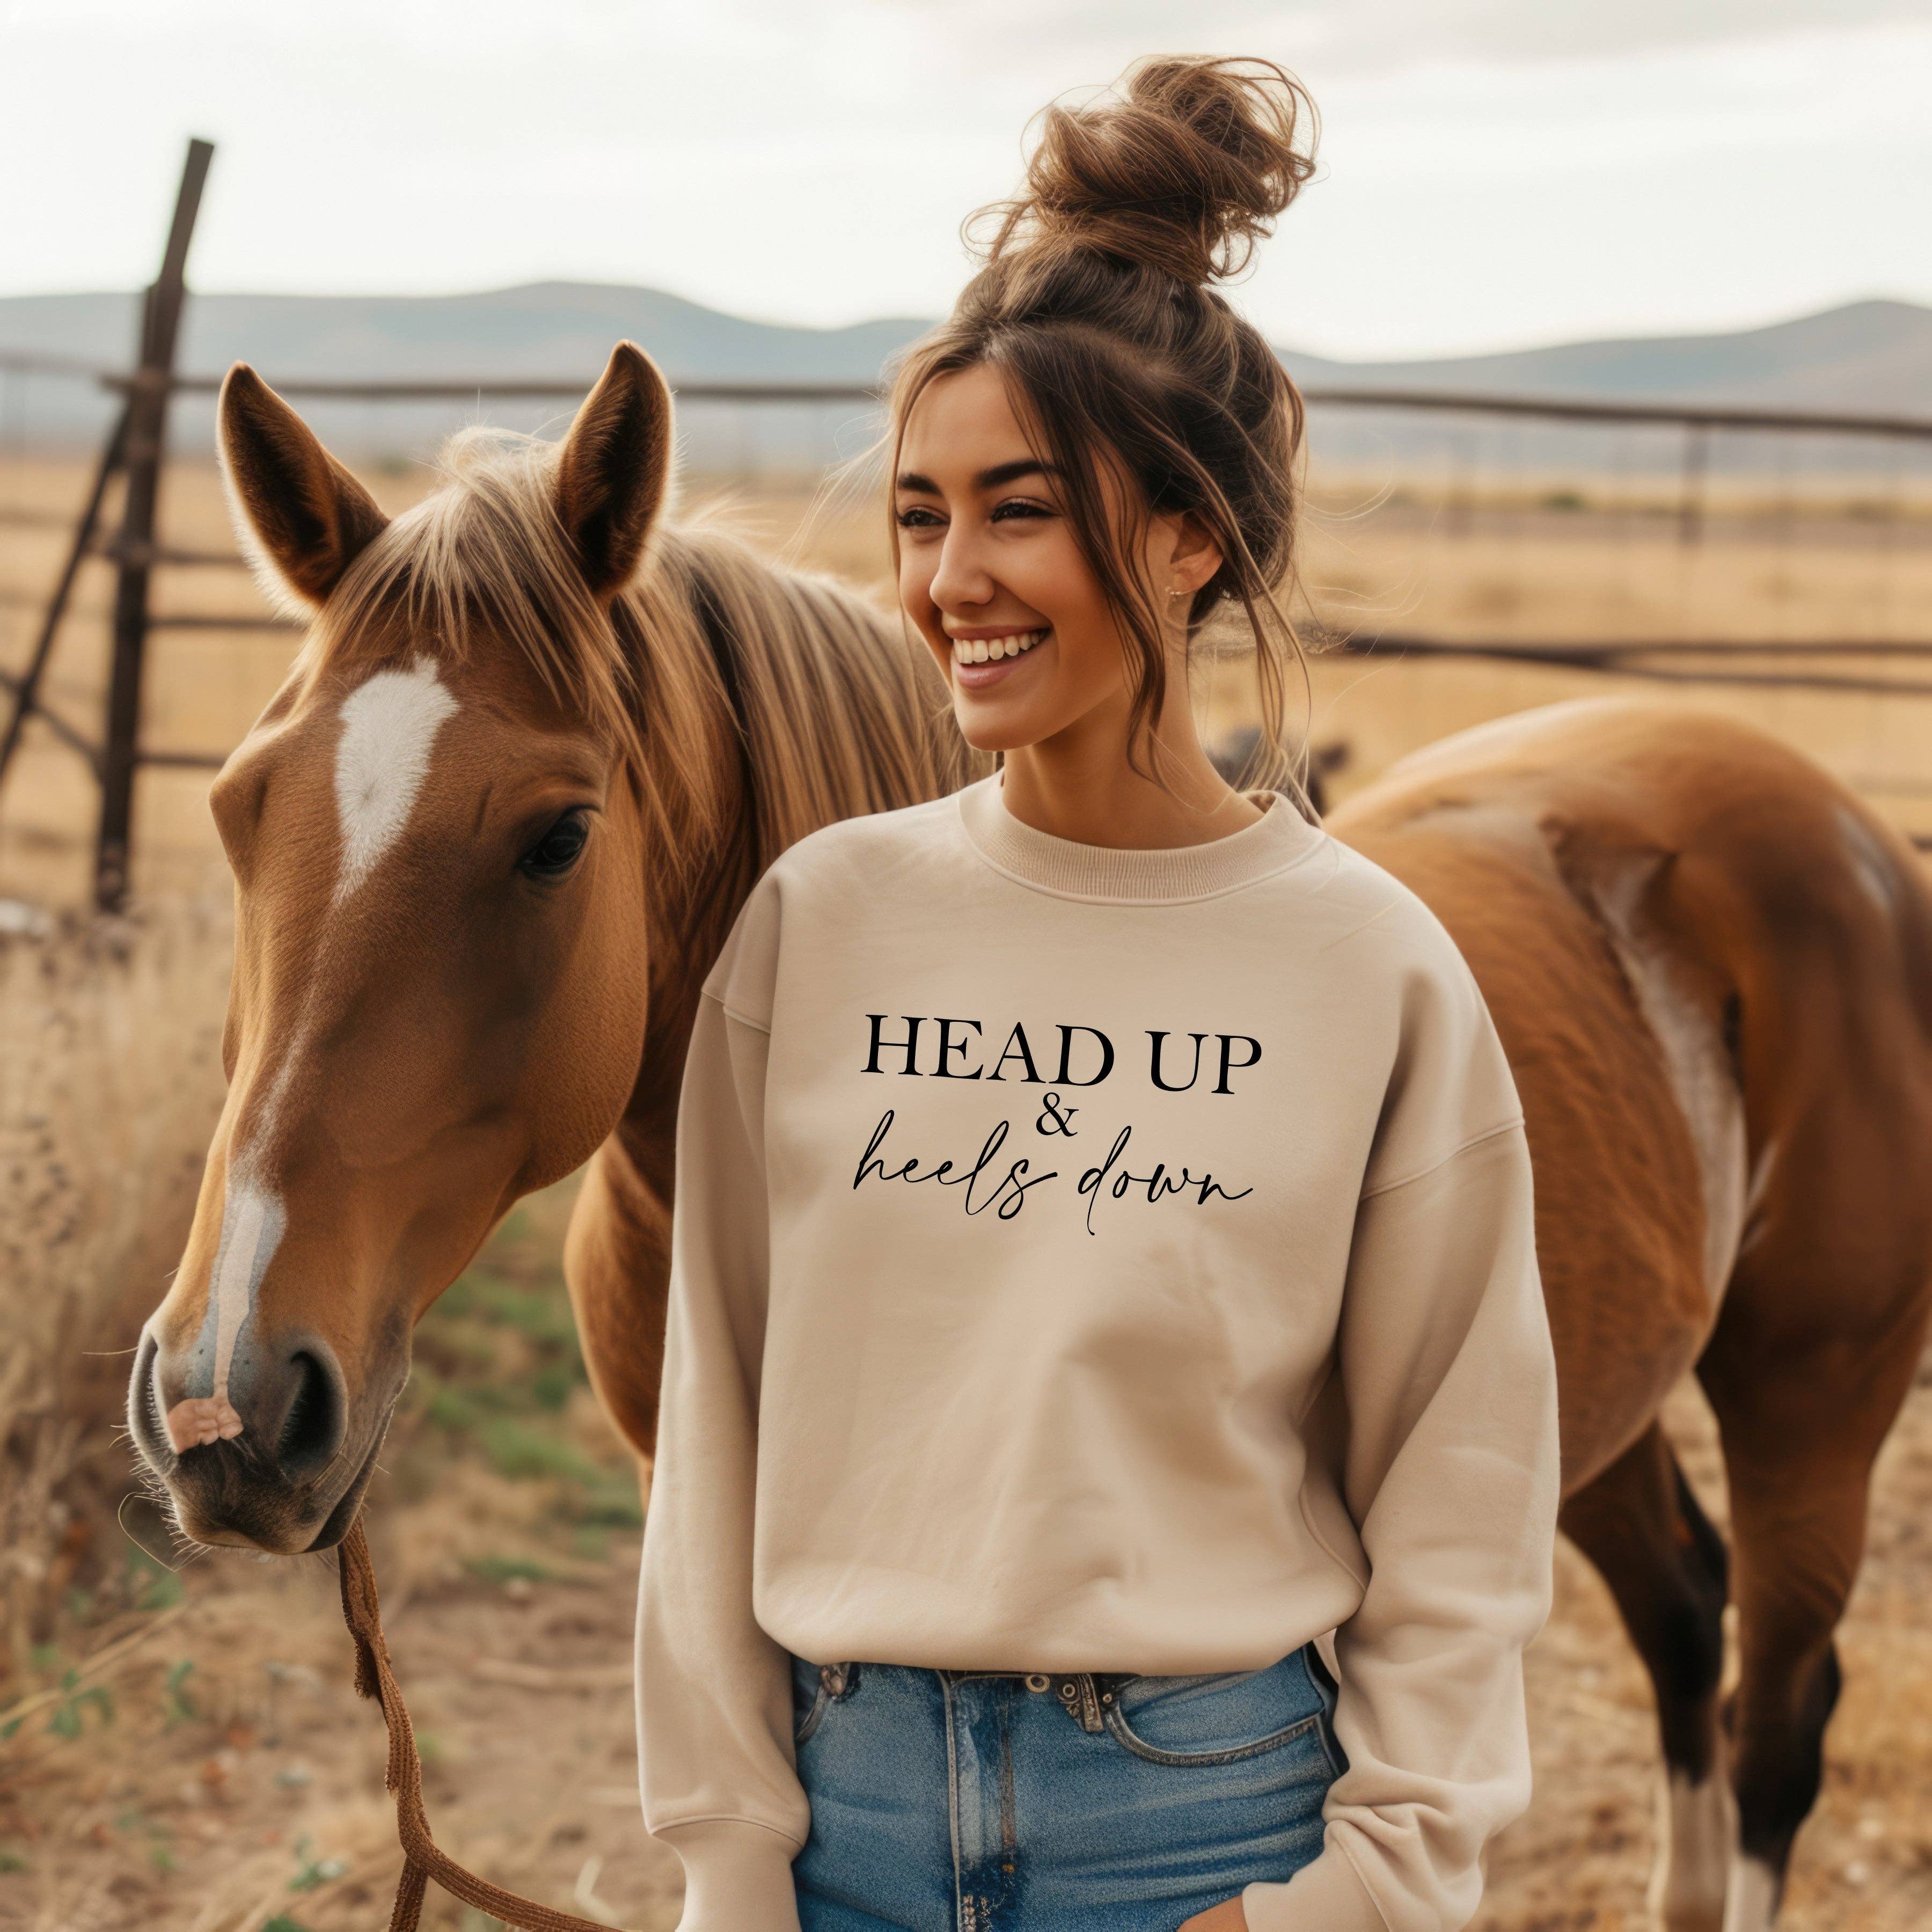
column 1091, row 1259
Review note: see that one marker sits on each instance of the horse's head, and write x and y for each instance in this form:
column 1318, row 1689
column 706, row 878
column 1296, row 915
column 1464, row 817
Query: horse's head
column 438, row 831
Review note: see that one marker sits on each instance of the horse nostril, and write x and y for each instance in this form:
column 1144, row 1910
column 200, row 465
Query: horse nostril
column 144, row 1411
column 311, row 1432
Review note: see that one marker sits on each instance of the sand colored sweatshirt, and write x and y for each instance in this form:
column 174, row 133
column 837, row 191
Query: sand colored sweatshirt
column 1099, row 1260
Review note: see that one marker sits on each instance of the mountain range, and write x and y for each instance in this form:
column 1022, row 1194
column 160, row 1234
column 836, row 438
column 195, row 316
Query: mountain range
column 1873, row 356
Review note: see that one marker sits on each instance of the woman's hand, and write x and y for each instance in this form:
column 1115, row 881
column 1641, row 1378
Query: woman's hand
column 1227, row 1916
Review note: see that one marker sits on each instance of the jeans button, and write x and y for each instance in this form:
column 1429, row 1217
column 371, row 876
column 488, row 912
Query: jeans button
column 1038, row 1680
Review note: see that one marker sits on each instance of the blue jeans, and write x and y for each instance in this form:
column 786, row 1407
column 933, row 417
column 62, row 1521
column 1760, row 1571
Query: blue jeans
column 966, row 1801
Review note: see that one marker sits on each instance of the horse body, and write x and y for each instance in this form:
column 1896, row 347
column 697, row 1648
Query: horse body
column 1707, row 962
column 1711, row 968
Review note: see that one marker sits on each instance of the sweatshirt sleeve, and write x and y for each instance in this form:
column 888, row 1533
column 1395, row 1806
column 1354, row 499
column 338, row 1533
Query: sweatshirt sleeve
column 717, row 1768
column 1442, row 1415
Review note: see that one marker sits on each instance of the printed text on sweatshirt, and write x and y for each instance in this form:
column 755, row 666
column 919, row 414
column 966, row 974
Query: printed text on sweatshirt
column 1098, row 1260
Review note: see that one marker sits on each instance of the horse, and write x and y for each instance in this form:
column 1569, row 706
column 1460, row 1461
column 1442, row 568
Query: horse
column 538, row 743
column 1711, row 967
column 488, row 837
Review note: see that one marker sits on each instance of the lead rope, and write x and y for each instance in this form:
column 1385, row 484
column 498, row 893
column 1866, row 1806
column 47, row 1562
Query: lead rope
column 422, row 1859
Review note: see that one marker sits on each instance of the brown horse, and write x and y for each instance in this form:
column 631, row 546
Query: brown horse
column 1711, row 968
column 487, row 839
column 536, row 749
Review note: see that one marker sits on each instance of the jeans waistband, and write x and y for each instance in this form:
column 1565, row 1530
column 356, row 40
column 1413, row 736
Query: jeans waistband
column 1085, row 1696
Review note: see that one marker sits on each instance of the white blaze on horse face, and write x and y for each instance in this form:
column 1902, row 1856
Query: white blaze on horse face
column 388, row 724
column 252, row 1221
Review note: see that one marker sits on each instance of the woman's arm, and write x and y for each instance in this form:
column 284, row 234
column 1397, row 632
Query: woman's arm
column 1445, row 1454
column 717, row 1768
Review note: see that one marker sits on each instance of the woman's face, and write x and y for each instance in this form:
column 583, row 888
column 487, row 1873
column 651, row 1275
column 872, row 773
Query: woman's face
column 991, row 573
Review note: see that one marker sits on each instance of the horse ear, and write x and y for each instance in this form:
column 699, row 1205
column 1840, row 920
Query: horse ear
column 615, row 469
column 300, row 517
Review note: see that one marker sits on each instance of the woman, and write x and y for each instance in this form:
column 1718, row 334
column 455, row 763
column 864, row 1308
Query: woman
column 1103, row 1260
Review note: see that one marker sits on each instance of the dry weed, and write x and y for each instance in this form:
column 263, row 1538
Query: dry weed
column 110, row 1082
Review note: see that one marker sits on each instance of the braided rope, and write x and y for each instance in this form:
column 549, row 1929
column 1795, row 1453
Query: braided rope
column 422, row 1859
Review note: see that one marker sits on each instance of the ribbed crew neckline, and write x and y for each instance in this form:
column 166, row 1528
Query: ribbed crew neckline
column 1280, row 838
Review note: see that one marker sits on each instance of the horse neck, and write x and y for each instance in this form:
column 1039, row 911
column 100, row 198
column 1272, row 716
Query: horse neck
column 772, row 703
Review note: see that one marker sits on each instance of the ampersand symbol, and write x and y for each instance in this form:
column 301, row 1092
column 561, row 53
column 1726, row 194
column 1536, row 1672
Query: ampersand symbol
column 1052, row 1119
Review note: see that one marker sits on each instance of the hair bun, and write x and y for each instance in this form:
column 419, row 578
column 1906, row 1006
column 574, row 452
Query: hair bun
column 1183, row 169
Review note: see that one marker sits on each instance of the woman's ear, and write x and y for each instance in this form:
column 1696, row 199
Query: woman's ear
column 300, row 518
column 615, row 469
column 1196, row 554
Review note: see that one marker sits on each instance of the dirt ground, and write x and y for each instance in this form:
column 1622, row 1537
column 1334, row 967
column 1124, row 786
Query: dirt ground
column 201, row 1764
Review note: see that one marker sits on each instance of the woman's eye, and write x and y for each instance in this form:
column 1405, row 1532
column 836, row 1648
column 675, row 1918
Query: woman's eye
column 1017, row 507
column 918, row 519
column 559, row 849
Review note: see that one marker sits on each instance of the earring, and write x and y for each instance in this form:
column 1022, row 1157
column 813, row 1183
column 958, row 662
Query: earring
column 1177, row 593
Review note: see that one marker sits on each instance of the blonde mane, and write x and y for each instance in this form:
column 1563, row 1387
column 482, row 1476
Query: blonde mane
column 752, row 703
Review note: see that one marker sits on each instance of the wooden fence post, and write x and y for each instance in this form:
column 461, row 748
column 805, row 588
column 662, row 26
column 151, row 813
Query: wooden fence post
column 147, row 435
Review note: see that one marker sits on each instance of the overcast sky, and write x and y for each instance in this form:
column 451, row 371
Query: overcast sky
column 1494, row 173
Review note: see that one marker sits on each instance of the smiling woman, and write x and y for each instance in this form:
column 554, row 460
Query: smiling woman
column 1038, row 1393
column 1095, row 429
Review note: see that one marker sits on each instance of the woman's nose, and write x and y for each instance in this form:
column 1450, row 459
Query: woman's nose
column 962, row 582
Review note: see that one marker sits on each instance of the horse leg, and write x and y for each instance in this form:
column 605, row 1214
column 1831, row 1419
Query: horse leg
column 1639, row 1523
column 1802, row 1411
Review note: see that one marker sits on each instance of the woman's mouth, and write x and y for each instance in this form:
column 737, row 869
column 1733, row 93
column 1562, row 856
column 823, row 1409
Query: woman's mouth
column 978, row 662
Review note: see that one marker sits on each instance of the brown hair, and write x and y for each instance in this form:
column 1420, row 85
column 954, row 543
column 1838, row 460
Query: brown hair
column 1094, row 304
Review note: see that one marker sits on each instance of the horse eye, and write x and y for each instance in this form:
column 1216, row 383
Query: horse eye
column 559, row 849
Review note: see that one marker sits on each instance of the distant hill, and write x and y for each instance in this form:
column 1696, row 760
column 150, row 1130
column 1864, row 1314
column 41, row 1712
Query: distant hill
column 1870, row 357
column 1873, row 356
column 549, row 329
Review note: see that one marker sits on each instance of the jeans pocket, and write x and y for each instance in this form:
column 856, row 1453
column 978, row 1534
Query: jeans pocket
column 1217, row 1716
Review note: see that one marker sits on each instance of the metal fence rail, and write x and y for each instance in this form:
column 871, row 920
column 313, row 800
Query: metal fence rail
column 1451, row 402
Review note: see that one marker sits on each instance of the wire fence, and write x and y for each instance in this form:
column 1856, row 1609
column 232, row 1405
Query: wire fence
column 1498, row 549
column 1771, row 552
column 1753, row 550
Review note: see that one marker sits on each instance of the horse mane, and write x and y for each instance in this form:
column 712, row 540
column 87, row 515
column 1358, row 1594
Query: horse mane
column 753, row 703
column 836, row 714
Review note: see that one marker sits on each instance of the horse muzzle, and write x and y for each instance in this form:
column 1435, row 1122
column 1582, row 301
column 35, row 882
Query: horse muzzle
column 285, row 1470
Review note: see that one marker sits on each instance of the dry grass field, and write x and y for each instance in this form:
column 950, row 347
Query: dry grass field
column 1520, row 566
column 179, row 1748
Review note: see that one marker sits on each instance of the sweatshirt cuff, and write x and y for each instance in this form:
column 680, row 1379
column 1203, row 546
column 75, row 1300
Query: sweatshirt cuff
column 1327, row 1895
column 737, row 1876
